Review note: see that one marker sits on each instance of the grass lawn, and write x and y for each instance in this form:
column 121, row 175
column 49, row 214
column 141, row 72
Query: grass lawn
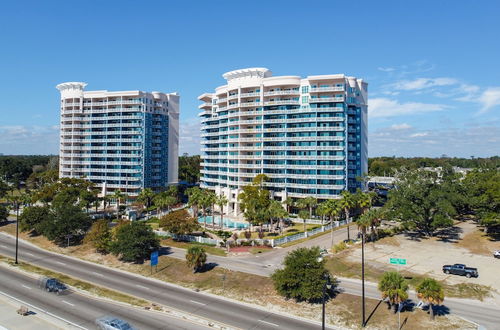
column 185, row 245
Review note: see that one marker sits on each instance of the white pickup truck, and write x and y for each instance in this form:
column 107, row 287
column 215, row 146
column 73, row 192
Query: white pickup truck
column 496, row 254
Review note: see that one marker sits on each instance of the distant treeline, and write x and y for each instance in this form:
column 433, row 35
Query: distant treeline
column 18, row 168
column 385, row 166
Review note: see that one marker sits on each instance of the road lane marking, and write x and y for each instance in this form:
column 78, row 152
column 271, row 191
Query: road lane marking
column 3, row 246
column 197, row 302
column 68, row 303
column 27, row 287
column 30, row 254
column 269, row 323
column 98, row 274
column 141, row 286
column 60, row 263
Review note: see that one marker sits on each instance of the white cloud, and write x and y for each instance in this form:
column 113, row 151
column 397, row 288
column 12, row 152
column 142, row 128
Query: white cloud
column 388, row 69
column 479, row 141
column 399, row 127
column 384, row 107
column 189, row 136
column 423, row 83
column 489, row 98
column 20, row 139
column 422, row 134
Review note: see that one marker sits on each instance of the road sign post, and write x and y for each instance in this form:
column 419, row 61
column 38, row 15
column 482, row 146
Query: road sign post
column 154, row 260
column 397, row 261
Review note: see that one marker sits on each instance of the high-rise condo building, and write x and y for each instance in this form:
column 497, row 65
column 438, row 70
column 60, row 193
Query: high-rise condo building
column 119, row 140
column 308, row 135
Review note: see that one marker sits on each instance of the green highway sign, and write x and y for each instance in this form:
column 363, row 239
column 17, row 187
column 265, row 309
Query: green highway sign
column 397, row 261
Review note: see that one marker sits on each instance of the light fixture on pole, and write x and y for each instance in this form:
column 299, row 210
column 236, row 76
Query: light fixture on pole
column 326, row 286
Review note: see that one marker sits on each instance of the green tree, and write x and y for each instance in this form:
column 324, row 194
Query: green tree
column 393, row 287
column 211, row 200
column 333, row 210
column 33, row 218
column 134, row 242
column 419, row 203
column 118, row 195
column 179, row 222
column 308, row 203
column 99, row 236
column 430, row 291
column 276, row 211
column 322, row 211
column 4, row 213
column 221, row 201
column 196, row 258
column 65, row 220
column 87, row 198
column 303, row 276
column 164, row 201
column 304, row 215
column 289, row 202
column 347, row 202
column 146, row 197
column 254, row 201
column 4, row 189
column 195, row 196
column 189, row 168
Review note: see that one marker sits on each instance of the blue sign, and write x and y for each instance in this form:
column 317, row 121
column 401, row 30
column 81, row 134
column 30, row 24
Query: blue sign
column 154, row 258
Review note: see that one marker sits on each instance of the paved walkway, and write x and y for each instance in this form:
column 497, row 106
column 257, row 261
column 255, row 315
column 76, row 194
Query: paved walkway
column 9, row 319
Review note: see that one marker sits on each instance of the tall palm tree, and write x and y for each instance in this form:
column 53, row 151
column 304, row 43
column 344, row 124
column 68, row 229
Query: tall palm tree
column 308, row 203
column 211, row 201
column 322, row 211
column 394, row 287
column 430, row 291
column 334, row 208
column 303, row 215
column 205, row 202
column 118, row 195
column 375, row 217
column 195, row 195
column 347, row 202
column 146, row 197
column 289, row 202
column 221, row 200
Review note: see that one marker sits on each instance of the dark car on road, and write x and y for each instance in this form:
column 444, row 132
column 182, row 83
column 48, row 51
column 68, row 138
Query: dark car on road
column 112, row 323
column 460, row 269
column 51, row 285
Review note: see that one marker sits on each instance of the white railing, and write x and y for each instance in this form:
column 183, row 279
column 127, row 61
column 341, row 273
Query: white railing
column 306, row 234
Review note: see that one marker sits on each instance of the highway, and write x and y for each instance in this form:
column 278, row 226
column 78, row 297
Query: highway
column 218, row 309
column 79, row 309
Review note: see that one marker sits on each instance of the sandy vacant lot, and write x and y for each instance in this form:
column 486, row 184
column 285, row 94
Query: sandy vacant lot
column 464, row 244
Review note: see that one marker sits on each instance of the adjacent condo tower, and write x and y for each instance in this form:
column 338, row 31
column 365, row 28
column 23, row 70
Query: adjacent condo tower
column 308, row 135
column 119, row 140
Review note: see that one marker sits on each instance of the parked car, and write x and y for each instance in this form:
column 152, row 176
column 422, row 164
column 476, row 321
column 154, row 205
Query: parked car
column 51, row 285
column 460, row 269
column 112, row 323
column 496, row 254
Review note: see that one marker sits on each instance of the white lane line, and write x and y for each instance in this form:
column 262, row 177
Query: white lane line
column 27, row 287
column 269, row 323
column 141, row 286
column 98, row 274
column 30, row 254
column 68, row 303
column 60, row 263
column 197, row 302
column 1, row 245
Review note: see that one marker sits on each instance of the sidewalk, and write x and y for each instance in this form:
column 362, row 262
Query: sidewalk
column 9, row 319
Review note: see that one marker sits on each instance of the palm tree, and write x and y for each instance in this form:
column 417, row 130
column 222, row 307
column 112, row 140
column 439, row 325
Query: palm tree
column 211, row 201
column 196, row 258
column 276, row 211
column 394, row 287
column 221, row 200
column 194, row 194
column 303, row 215
column 164, row 201
column 105, row 201
column 334, row 208
column 430, row 291
column 308, row 203
column 289, row 202
column 118, row 195
column 322, row 211
column 205, row 202
column 375, row 217
column 347, row 202
column 146, row 197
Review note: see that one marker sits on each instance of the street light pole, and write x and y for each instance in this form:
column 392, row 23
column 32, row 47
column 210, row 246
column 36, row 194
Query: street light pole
column 17, row 228
column 326, row 285
column 363, row 276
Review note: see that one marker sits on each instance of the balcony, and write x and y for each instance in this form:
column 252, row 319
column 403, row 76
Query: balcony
column 282, row 92
column 250, row 94
column 327, row 89
column 326, row 99
column 205, row 105
column 281, row 102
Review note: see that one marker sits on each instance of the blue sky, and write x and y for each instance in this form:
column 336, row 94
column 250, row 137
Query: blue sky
column 432, row 66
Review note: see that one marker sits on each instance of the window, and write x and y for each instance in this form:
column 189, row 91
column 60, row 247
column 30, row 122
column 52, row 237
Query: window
column 305, row 89
column 305, row 99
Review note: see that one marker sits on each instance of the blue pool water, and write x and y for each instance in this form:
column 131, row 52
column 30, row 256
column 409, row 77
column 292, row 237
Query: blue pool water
column 227, row 223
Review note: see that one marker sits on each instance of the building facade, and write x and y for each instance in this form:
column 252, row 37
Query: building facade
column 308, row 135
column 125, row 140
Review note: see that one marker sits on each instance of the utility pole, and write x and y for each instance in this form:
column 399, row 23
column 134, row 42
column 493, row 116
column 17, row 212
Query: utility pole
column 16, row 203
column 363, row 322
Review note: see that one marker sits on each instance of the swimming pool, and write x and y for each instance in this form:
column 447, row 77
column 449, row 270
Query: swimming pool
column 227, row 222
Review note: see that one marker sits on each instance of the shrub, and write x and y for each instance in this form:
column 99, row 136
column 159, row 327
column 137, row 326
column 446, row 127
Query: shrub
column 196, row 257
column 134, row 241
column 340, row 247
column 261, row 234
column 99, row 236
column 247, row 234
column 179, row 222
